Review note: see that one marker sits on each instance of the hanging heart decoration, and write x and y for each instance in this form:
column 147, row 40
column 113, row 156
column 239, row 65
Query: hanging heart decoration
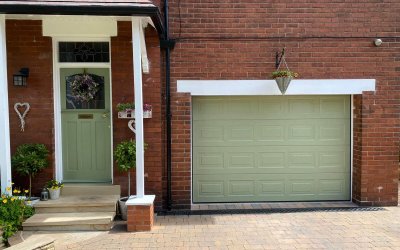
column 25, row 107
column 131, row 125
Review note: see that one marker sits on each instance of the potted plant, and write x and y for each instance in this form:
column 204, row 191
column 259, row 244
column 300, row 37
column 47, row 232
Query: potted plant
column 125, row 156
column 283, row 79
column 29, row 159
column 147, row 111
column 54, row 188
column 127, row 110
column 20, row 193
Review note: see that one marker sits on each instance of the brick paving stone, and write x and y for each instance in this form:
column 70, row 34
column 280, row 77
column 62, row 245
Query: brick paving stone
column 302, row 230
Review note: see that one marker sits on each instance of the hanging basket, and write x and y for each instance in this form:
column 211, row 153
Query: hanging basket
column 283, row 77
column 283, row 83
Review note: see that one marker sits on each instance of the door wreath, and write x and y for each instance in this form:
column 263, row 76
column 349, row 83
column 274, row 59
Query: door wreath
column 84, row 88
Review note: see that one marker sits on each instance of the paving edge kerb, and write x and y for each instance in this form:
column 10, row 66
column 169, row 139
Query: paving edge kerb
column 269, row 211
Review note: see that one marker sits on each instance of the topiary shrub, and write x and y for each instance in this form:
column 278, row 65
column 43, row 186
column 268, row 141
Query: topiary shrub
column 125, row 156
column 29, row 159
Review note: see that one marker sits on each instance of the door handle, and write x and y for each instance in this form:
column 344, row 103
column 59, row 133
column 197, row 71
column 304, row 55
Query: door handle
column 105, row 115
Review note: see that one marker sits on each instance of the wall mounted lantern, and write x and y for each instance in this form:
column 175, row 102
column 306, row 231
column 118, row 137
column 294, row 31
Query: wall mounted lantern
column 20, row 79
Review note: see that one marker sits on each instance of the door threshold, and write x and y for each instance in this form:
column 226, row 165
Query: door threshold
column 70, row 183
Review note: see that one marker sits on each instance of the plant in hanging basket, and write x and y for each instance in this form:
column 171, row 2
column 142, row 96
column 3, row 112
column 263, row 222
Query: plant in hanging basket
column 125, row 106
column 127, row 110
column 84, row 88
column 283, row 79
column 284, row 73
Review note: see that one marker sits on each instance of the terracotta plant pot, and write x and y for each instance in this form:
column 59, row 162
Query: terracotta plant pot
column 283, row 83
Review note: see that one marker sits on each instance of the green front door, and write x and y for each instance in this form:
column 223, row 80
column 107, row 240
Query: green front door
column 86, row 128
column 271, row 148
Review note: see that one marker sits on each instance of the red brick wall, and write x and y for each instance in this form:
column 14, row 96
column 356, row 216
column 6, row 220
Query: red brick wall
column 26, row 47
column 238, row 40
column 140, row 218
column 122, row 77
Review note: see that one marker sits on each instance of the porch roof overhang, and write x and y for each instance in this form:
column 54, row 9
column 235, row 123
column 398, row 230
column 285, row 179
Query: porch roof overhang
column 123, row 8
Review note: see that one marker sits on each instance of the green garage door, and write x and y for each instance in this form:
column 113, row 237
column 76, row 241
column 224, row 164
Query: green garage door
column 275, row 148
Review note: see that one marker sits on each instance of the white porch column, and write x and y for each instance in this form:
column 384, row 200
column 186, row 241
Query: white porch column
column 137, row 71
column 5, row 156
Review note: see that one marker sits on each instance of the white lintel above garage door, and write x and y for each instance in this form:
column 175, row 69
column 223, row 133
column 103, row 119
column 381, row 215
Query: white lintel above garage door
column 269, row 87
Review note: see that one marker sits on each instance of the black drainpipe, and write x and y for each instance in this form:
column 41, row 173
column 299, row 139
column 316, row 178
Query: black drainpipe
column 168, row 44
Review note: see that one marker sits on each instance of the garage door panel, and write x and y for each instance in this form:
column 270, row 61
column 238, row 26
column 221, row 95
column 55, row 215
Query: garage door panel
column 209, row 160
column 271, row 132
column 275, row 148
column 241, row 188
column 239, row 160
column 304, row 159
column 271, row 160
column 331, row 106
column 265, row 159
column 274, row 107
column 304, row 105
column 272, row 187
column 208, row 188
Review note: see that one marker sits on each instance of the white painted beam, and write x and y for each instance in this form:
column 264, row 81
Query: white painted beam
column 5, row 155
column 145, row 60
column 269, row 87
column 137, row 71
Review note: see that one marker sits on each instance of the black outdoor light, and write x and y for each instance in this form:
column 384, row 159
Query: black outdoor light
column 20, row 79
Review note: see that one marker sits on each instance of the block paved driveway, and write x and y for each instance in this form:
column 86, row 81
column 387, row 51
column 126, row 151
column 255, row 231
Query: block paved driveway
column 301, row 230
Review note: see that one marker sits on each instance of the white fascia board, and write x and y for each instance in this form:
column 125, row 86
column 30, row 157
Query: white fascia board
column 269, row 87
column 87, row 26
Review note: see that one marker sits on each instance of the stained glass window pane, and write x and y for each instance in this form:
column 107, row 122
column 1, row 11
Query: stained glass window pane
column 73, row 102
column 84, row 52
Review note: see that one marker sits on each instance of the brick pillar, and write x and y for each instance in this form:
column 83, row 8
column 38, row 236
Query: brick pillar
column 140, row 214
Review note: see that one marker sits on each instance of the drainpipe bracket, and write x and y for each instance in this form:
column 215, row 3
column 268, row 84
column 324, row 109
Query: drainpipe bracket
column 167, row 43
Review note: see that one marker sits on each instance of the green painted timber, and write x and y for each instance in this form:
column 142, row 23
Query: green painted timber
column 86, row 134
column 271, row 148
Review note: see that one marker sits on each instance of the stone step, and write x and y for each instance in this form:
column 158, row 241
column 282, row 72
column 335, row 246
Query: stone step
column 71, row 189
column 74, row 204
column 70, row 221
column 35, row 242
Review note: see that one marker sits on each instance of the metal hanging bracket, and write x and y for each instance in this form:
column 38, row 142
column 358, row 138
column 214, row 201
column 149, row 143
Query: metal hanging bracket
column 278, row 58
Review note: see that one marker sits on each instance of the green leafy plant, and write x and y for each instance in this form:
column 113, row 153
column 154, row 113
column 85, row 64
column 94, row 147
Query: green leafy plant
column 13, row 211
column 125, row 106
column 53, row 184
column 125, row 156
column 284, row 73
column 30, row 159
